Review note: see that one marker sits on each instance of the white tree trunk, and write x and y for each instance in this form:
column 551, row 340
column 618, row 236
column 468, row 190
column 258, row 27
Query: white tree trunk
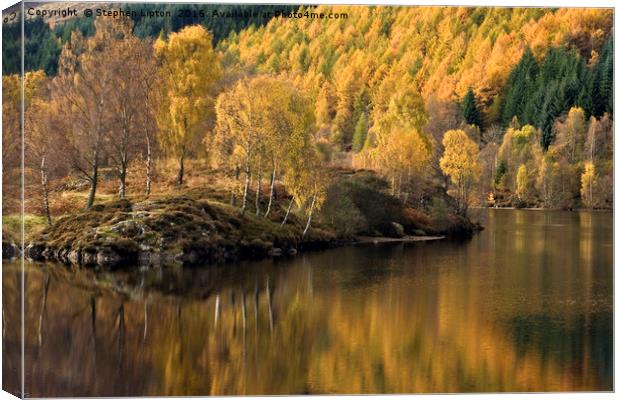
column 271, row 190
column 258, row 183
column 44, row 186
column 288, row 211
column 149, row 164
column 309, row 216
column 246, row 188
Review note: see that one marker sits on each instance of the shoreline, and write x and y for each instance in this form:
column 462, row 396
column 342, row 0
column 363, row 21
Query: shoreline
column 146, row 258
column 543, row 209
column 359, row 240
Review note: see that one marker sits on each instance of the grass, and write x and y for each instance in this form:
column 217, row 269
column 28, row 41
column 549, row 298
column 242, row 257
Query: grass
column 11, row 227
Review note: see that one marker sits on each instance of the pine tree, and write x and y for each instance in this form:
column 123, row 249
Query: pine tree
column 520, row 87
column 471, row 114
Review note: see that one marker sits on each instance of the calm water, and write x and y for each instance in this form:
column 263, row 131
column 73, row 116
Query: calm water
column 524, row 306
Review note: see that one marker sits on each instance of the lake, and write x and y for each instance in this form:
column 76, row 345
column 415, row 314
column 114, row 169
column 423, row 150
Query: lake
column 526, row 305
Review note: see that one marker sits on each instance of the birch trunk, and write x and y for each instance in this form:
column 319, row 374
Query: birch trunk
column 309, row 216
column 93, row 182
column 122, row 178
column 244, row 204
column 271, row 189
column 149, row 164
column 288, row 211
column 258, row 183
column 44, row 186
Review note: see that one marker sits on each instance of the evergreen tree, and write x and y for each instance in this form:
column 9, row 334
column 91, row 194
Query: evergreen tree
column 539, row 93
column 471, row 114
column 520, row 86
column 603, row 76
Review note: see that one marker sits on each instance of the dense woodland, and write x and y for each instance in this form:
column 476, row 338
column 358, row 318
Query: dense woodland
column 498, row 106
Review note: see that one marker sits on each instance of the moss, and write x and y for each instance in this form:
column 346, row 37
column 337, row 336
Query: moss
column 201, row 229
column 11, row 227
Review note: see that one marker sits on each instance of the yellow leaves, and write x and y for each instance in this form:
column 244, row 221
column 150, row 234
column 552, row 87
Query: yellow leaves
column 589, row 181
column 401, row 151
column 522, row 182
column 460, row 158
column 189, row 69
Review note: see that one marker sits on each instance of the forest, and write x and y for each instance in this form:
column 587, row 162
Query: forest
column 389, row 122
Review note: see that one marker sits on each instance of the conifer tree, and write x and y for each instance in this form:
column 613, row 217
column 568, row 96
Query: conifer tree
column 471, row 114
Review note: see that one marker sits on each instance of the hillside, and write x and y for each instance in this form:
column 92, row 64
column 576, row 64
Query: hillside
column 439, row 51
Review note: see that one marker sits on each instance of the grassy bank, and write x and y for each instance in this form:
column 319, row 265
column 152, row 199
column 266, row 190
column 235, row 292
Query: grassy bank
column 199, row 226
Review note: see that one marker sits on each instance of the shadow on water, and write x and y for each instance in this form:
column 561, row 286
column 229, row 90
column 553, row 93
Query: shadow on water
column 526, row 305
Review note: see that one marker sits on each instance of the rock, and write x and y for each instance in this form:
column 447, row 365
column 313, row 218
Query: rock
column 107, row 257
column 62, row 255
column 419, row 232
column 89, row 258
column 275, row 252
column 35, row 252
column 9, row 250
column 48, row 253
column 129, row 228
column 75, row 257
column 292, row 251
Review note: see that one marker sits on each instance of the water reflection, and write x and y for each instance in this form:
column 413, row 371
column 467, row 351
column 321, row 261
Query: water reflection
column 524, row 306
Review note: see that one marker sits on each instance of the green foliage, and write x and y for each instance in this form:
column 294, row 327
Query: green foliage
column 500, row 172
column 471, row 114
column 520, row 84
column 359, row 204
column 538, row 93
column 182, row 15
column 43, row 44
column 596, row 92
column 41, row 47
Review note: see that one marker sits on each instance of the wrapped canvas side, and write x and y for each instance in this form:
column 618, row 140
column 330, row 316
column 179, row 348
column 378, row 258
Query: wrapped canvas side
column 12, row 205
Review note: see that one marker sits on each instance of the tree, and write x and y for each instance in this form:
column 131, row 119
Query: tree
column 261, row 122
column 131, row 60
column 150, row 95
column 44, row 156
column 400, row 155
column 443, row 116
column 570, row 135
column 519, row 87
column 11, row 141
column 519, row 146
column 189, row 71
column 522, row 183
column 37, row 140
column 471, row 114
column 84, row 88
column 361, row 130
column 460, row 163
column 547, row 181
column 589, row 183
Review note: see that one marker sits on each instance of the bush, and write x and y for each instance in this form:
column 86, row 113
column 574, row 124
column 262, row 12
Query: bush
column 358, row 204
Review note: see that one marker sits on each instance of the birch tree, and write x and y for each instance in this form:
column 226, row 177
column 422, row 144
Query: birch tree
column 189, row 69
column 126, row 103
column 460, row 163
column 84, row 87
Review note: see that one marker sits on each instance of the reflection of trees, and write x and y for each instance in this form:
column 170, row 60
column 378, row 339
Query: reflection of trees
column 11, row 328
column 315, row 325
